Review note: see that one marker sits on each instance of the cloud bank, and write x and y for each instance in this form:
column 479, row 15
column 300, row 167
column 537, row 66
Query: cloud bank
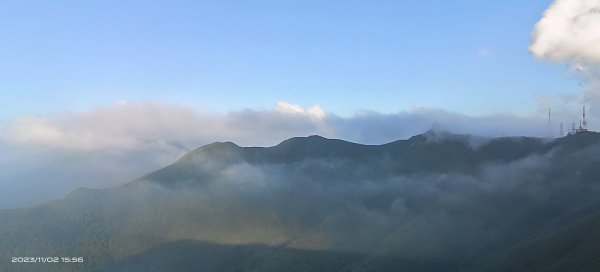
column 142, row 126
column 114, row 144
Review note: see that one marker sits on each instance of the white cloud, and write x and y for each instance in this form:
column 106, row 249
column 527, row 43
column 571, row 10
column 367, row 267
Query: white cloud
column 568, row 31
column 137, row 126
column 147, row 126
column 315, row 111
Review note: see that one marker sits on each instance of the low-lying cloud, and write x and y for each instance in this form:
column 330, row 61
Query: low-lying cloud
column 110, row 145
column 141, row 126
column 341, row 204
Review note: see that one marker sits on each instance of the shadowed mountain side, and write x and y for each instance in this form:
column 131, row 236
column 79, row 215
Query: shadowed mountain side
column 572, row 248
column 201, row 256
column 431, row 152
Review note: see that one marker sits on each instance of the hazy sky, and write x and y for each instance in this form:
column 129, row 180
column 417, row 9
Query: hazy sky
column 387, row 56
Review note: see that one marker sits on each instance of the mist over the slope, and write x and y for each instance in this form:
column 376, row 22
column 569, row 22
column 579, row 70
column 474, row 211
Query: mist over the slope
column 340, row 199
column 35, row 175
column 327, row 201
column 48, row 156
column 437, row 200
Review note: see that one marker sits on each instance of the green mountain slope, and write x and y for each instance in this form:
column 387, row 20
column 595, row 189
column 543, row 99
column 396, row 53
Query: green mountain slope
column 437, row 201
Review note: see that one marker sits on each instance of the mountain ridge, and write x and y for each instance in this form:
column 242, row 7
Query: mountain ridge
column 423, row 149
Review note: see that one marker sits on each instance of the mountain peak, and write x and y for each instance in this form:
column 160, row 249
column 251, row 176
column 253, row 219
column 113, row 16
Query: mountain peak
column 213, row 150
column 218, row 146
column 305, row 139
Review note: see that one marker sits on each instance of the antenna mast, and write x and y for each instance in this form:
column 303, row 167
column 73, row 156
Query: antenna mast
column 584, row 121
column 549, row 130
column 562, row 131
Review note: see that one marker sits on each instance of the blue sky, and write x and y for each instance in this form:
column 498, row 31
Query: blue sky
column 97, row 93
column 386, row 56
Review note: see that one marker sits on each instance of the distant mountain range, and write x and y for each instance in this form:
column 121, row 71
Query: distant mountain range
column 435, row 202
